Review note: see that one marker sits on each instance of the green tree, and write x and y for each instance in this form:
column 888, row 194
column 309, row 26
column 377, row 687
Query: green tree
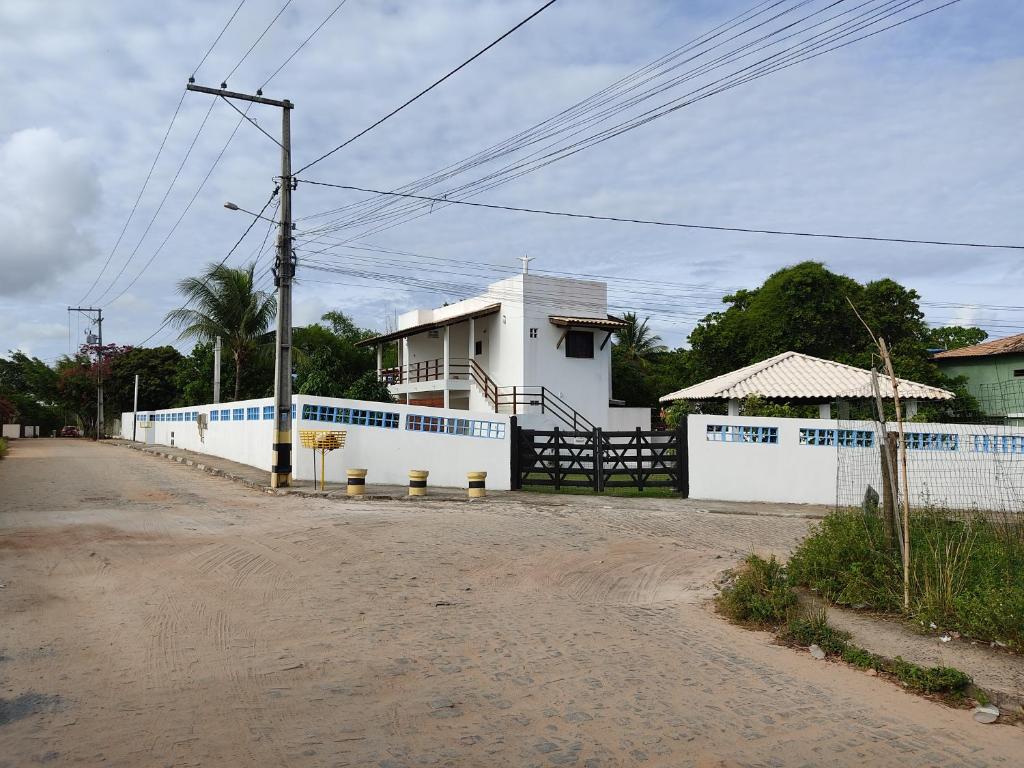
column 224, row 302
column 955, row 337
column 328, row 361
column 806, row 308
column 156, row 368
column 30, row 387
column 369, row 387
column 636, row 341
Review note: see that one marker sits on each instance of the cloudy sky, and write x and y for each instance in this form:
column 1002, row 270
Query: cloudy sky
column 914, row 132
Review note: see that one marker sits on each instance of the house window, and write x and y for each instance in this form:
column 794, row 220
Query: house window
column 579, row 344
column 433, row 334
column 533, row 333
column 478, row 348
column 268, row 412
column 1018, row 373
column 252, row 414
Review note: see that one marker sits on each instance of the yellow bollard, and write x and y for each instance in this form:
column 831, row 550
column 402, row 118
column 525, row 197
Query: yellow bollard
column 418, row 482
column 356, row 482
column 477, row 486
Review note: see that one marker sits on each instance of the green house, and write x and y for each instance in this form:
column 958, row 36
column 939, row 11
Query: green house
column 994, row 372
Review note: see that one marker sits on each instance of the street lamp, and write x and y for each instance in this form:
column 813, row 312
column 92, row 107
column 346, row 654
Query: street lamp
column 232, row 207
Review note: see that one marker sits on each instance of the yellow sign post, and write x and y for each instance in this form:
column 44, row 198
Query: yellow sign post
column 322, row 440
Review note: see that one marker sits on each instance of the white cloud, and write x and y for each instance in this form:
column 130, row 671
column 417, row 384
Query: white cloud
column 48, row 187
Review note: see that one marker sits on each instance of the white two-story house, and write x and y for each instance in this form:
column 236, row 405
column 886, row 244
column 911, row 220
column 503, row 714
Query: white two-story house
column 535, row 346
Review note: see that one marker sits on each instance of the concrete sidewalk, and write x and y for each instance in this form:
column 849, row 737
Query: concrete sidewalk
column 258, row 479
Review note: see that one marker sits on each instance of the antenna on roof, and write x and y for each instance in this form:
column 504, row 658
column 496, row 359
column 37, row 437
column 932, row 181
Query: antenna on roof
column 526, row 263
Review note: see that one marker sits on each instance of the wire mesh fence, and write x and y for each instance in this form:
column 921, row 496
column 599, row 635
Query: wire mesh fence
column 951, row 466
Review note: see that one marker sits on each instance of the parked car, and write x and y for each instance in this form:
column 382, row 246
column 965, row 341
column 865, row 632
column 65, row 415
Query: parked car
column 70, row 431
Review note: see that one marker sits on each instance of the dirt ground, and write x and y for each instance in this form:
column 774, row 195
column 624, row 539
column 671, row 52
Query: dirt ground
column 155, row 616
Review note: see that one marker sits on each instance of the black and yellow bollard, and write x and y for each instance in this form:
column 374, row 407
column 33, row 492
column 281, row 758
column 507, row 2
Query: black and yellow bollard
column 477, row 485
column 356, row 482
column 418, row 482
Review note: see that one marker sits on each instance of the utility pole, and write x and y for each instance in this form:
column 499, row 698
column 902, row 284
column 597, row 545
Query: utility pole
column 216, row 371
column 89, row 312
column 284, row 271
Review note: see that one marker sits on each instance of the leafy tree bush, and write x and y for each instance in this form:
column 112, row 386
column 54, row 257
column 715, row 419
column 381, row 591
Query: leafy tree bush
column 369, row 387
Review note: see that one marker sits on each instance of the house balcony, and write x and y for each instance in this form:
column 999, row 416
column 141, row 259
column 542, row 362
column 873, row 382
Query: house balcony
column 428, row 376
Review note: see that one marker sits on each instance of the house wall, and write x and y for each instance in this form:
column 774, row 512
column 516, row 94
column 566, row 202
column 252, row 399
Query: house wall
column 967, row 476
column 585, row 384
column 388, row 453
column 620, row 419
column 982, row 372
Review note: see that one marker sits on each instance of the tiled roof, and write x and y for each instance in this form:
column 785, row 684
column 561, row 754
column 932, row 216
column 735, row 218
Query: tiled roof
column 424, row 327
column 1008, row 346
column 608, row 323
column 793, row 375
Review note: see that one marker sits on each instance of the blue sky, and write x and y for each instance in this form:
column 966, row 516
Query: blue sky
column 912, row 133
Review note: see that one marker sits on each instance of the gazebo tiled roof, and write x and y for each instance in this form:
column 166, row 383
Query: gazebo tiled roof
column 794, row 376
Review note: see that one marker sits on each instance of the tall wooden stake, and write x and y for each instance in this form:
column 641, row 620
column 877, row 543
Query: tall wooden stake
column 902, row 449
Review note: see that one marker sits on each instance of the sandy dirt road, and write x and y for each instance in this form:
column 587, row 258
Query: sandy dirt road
column 155, row 616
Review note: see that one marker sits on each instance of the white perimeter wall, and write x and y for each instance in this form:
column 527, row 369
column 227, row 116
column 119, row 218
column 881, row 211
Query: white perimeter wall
column 788, row 471
column 388, row 453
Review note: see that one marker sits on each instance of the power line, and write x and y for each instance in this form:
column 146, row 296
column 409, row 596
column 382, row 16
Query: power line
column 430, row 87
column 217, row 39
column 138, row 198
column 256, row 42
column 303, row 44
column 775, row 62
column 222, row 261
column 188, row 206
column 160, row 206
column 657, row 223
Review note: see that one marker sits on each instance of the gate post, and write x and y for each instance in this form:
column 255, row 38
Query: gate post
column 683, row 457
column 516, row 480
column 639, row 459
column 598, row 461
column 558, row 462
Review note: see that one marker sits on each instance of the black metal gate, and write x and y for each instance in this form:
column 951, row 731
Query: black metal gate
column 600, row 459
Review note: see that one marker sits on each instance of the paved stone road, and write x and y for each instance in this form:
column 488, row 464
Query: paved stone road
column 157, row 616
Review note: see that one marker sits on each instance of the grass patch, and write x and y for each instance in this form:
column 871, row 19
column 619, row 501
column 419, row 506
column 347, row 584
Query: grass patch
column 965, row 570
column 586, row 489
column 3, row 447
column 813, row 629
column 759, row 595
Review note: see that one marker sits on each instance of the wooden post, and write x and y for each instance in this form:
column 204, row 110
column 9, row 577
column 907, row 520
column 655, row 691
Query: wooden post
column 558, row 462
column 903, row 471
column 888, row 449
column 598, row 461
column 639, row 459
column 514, row 458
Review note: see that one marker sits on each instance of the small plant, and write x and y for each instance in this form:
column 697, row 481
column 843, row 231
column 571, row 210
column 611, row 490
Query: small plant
column 928, row 679
column 760, row 593
column 3, row 447
column 861, row 658
column 813, row 629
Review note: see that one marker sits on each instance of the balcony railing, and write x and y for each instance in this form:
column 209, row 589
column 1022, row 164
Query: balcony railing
column 425, row 370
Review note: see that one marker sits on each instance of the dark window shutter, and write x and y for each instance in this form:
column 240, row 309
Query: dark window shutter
column 579, row 344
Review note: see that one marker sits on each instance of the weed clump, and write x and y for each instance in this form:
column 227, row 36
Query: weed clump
column 965, row 569
column 760, row 593
column 814, row 629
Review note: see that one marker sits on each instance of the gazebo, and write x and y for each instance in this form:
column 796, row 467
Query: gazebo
column 813, row 380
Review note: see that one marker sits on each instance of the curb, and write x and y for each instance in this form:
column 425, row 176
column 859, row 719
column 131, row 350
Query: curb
column 338, row 495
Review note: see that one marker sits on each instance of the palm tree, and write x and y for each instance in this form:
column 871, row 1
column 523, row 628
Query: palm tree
column 223, row 302
column 636, row 340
